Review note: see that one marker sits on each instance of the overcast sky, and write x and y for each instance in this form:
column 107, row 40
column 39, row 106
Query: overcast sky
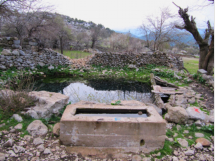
column 125, row 14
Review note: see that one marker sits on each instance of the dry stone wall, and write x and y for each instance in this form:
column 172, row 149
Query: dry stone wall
column 118, row 59
column 14, row 56
column 10, row 43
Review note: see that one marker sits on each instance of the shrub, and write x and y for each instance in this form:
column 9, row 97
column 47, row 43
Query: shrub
column 15, row 97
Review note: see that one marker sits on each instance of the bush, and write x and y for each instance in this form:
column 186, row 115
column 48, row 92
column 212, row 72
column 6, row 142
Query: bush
column 15, row 97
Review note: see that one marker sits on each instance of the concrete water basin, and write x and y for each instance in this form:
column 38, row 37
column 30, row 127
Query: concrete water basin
column 107, row 126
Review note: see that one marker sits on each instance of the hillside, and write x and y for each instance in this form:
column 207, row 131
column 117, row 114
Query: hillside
column 136, row 33
column 81, row 25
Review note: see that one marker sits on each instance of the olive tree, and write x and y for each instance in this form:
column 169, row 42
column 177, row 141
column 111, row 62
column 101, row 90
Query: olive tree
column 206, row 43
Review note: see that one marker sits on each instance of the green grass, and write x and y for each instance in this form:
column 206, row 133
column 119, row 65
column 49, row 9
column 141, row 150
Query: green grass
column 75, row 54
column 191, row 64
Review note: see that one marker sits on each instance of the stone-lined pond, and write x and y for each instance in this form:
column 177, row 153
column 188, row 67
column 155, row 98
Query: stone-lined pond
column 103, row 91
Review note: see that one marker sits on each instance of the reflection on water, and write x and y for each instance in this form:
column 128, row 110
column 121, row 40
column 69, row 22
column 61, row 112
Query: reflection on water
column 80, row 91
column 100, row 90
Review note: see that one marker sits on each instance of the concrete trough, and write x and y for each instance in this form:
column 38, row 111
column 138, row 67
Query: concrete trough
column 108, row 126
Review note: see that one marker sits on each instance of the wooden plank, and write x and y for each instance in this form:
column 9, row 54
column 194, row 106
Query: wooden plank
column 165, row 90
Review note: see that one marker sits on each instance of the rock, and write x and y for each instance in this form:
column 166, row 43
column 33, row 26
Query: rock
column 21, row 52
column 157, row 70
column 51, row 67
column 12, row 154
column 14, row 46
column 198, row 146
column 38, row 141
column 136, row 158
column 2, row 67
column 211, row 119
column 174, row 158
column 48, row 103
column 180, row 100
column 27, row 138
column 16, row 42
column 199, row 123
column 6, row 52
column 8, row 143
column 15, row 52
column 176, row 76
column 202, row 71
column 41, row 148
column 17, row 117
column 18, row 127
column 189, row 152
column 175, row 135
column 1, row 125
column 131, row 66
column 35, row 159
column 41, row 64
column 207, row 77
column 37, row 128
column 33, row 43
column 175, row 153
column 182, row 142
column 2, row 157
column 203, row 141
column 18, row 149
column 56, row 129
column 195, row 113
column 199, row 135
column 177, row 115
column 192, row 100
column 47, row 151
column 32, row 113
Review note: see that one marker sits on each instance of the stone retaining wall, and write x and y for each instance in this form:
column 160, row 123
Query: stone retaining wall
column 10, row 43
column 117, row 59
column 20, row 59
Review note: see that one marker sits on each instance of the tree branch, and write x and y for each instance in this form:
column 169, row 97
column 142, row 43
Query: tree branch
column 180, row 27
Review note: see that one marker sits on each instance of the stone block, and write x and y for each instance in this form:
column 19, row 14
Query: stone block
column 202, row 71
column 139, row 133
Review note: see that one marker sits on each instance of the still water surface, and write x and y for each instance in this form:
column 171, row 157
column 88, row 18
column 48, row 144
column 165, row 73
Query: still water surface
column 103, row 91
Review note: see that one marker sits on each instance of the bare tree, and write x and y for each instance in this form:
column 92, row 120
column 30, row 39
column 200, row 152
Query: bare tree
column 8, row 7
column 146, row 30
column 80, row 39
column 158, row 29
column 96, row 32
column 60, row 30
column 206, row 60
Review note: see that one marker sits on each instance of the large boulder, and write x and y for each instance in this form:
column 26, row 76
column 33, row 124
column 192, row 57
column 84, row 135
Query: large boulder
column 176, row 115
column 195, row 113
column 180, row 100
column 48, row 103
column 37, row 128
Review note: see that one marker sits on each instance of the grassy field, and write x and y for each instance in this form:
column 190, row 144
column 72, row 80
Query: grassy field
column 191, row 64
column 75, row 54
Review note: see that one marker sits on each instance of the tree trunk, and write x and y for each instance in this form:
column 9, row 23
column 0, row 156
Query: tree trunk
column 209, row 59
column 206, row 53
column 61, row 45
column 203, row 52
column 93, row 43
column 210, row 65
